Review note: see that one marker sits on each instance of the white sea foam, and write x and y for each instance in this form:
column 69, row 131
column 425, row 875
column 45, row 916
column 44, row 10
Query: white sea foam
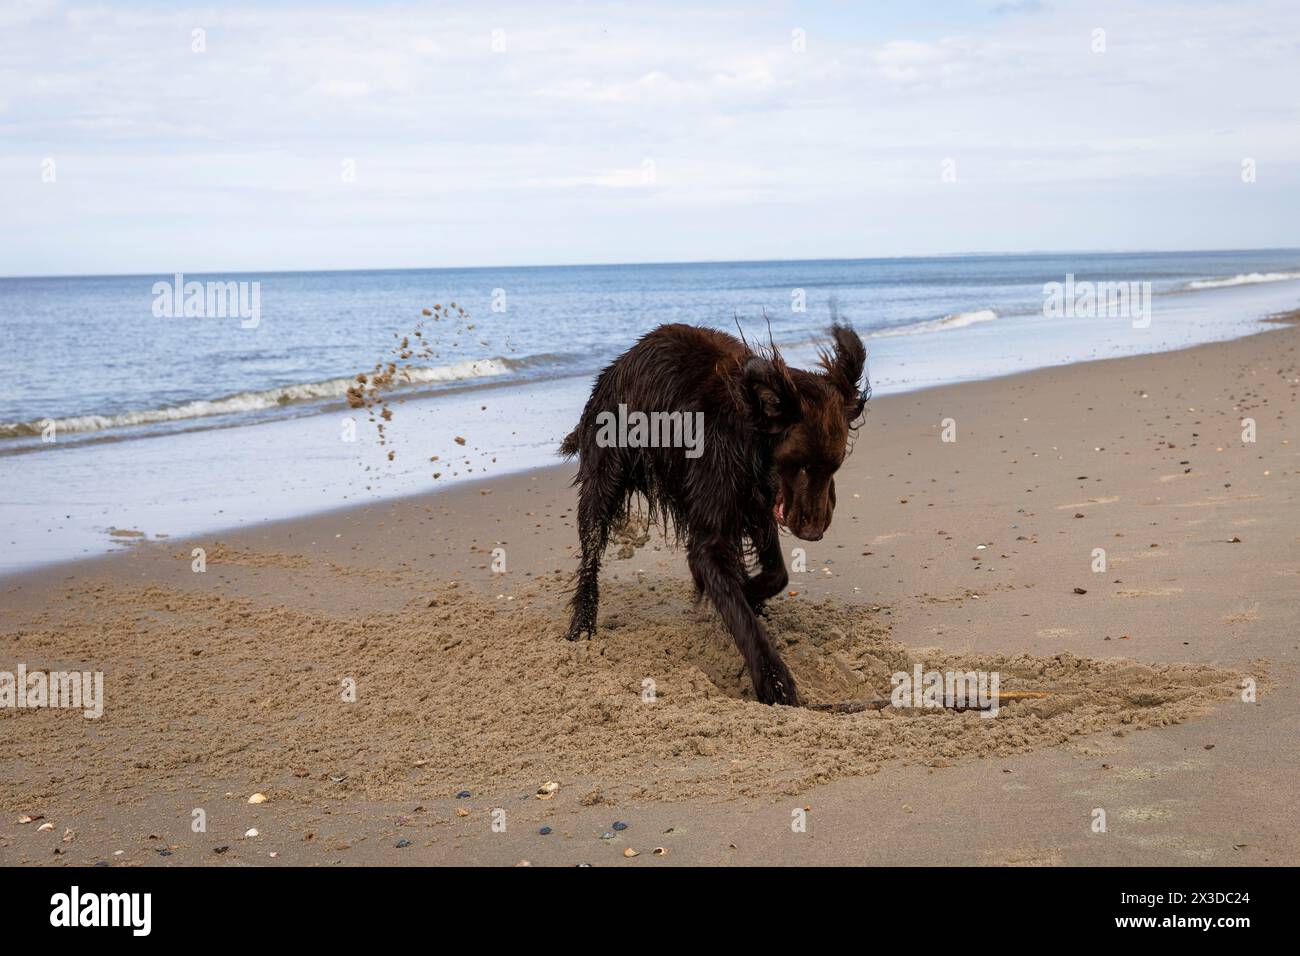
column 257, row 400
column 1248, row 278
column 957, row 320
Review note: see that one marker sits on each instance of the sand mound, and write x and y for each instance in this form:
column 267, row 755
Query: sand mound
column 487, row 695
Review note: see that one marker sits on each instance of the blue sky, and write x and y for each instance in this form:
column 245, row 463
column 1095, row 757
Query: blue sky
column 627, row 132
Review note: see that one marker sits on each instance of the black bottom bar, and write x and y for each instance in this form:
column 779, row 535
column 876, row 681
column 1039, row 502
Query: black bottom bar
column 986, row 908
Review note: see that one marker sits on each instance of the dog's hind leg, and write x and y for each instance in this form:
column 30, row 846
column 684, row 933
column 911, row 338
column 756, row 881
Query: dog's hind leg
column 772, row 576
column 600, row 500
column 719, row 572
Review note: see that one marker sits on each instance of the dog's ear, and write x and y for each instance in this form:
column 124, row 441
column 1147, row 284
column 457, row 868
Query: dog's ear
column 772, row 393
column 844, row 367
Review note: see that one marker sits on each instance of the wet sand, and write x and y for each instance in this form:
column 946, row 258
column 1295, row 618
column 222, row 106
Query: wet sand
column 231, row 682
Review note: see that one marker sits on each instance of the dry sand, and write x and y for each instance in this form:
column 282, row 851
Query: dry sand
column 229, row 682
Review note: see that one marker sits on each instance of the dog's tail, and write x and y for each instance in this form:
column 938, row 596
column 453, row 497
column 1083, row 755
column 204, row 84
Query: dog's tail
column 569, row 447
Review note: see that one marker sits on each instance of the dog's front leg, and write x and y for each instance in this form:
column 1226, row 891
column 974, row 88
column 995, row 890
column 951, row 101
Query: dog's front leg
column 772, row 576
column 718, row 572
column 601, row 490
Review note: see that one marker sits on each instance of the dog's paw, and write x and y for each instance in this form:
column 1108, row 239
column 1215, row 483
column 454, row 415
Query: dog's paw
column 787, row 696
column 779, row 688
column 577, row 632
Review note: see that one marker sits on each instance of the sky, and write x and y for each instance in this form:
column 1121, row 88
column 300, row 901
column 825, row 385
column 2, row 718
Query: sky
column 344, row 135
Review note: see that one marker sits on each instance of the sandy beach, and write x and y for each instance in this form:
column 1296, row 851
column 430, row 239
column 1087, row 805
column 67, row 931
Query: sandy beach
column 398, row 698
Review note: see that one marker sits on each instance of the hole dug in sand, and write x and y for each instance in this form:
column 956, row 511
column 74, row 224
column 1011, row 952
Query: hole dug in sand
column 471, row 693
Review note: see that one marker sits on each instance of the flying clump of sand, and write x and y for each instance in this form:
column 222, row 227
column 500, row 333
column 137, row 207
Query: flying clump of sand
column 464, row 691
column 373, row 390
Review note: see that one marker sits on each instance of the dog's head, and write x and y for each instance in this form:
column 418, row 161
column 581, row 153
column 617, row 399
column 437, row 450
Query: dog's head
column 810, row 416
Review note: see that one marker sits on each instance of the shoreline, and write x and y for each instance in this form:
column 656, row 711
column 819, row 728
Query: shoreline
column 190, row 481
column 1267, row 325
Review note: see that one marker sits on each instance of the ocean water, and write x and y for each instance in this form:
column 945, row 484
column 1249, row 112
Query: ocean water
column 125, row 413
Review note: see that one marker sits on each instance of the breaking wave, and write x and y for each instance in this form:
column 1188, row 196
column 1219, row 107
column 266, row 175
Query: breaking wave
column 264, row 399
column 957, row 320
column 1248, row 278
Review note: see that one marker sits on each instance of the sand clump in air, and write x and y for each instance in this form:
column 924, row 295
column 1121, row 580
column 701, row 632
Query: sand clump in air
column 467, row 691
column 373, row 389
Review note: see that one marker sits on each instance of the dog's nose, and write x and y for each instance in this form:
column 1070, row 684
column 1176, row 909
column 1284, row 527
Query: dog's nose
column 810, row 534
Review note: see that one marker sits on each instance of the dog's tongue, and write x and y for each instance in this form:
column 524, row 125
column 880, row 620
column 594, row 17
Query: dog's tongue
column 779, row 511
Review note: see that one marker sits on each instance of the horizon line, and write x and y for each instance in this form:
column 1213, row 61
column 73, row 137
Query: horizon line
column 665, row 262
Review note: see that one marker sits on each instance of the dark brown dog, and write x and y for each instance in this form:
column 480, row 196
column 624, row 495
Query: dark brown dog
column 773, row 437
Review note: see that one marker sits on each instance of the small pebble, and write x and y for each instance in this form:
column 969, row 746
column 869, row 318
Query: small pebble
column 257, row 798
column 620, row 826
column 544, row 830
column 629, row 853
column 402, row 844
column 462, row 795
